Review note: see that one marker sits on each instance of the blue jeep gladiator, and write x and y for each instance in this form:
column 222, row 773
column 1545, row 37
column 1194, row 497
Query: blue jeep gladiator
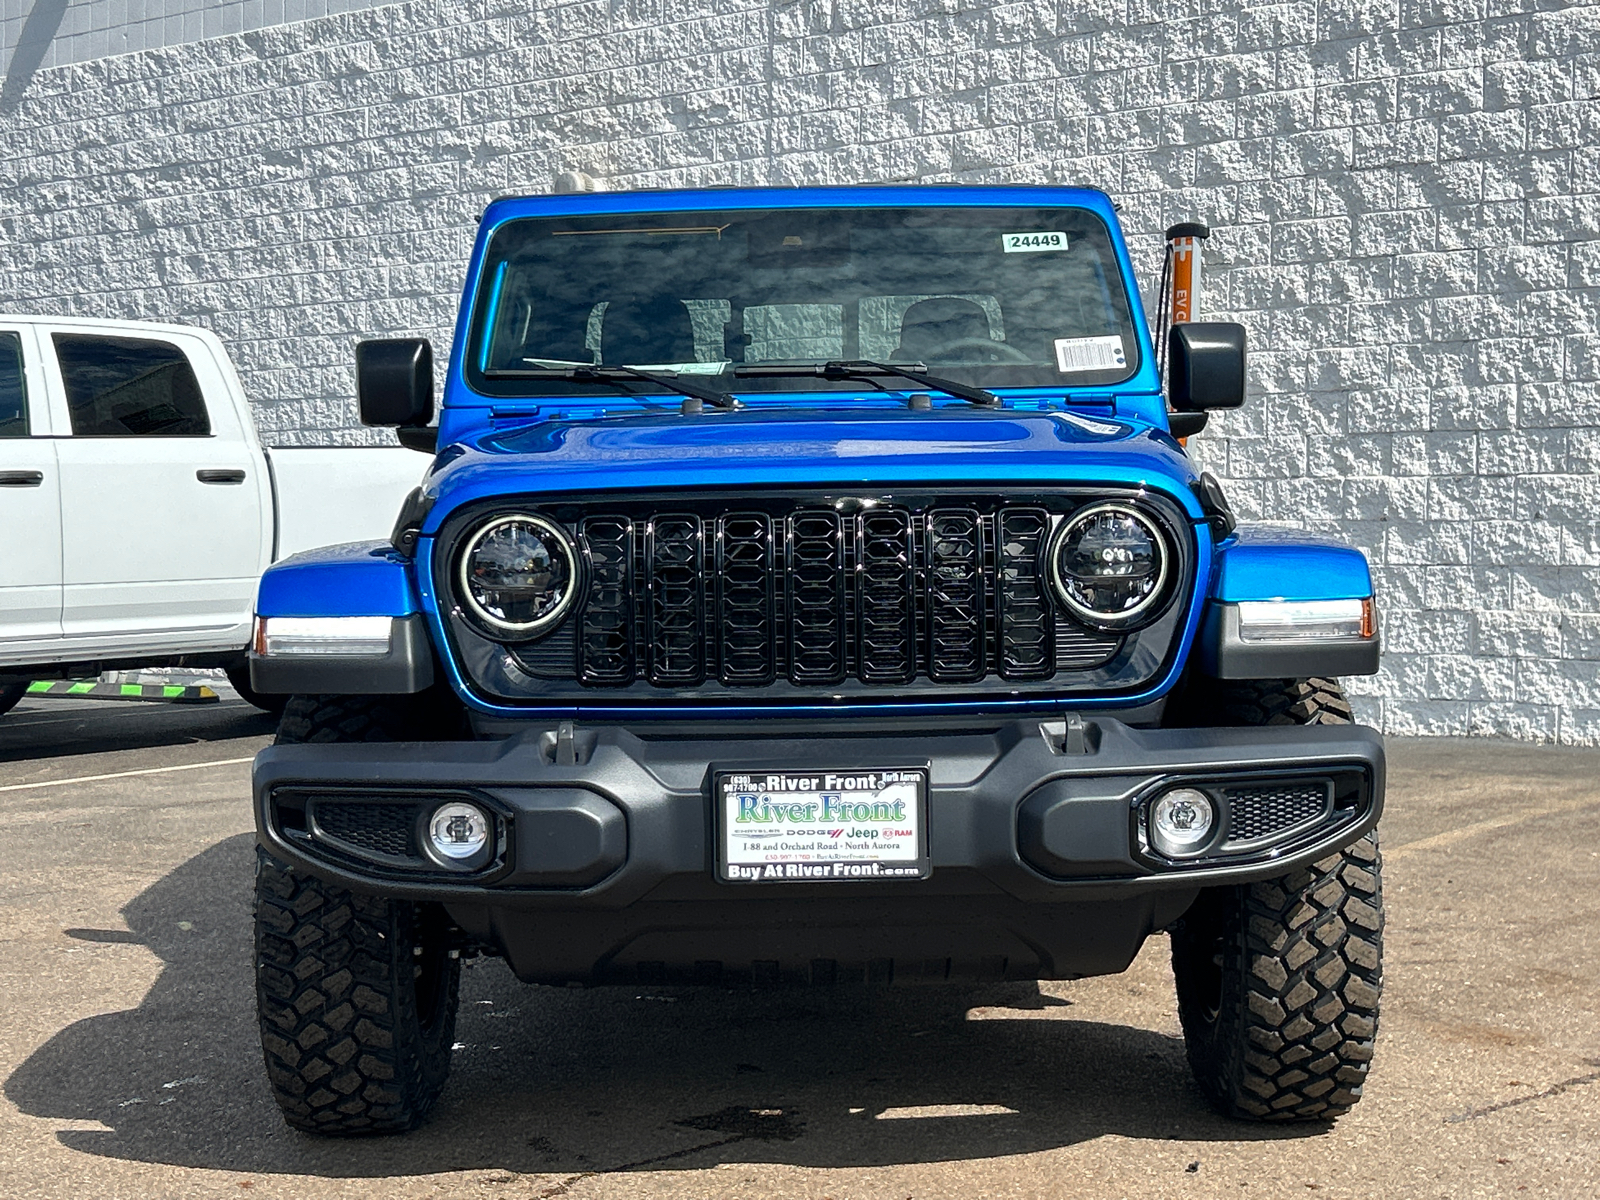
column 811, row 586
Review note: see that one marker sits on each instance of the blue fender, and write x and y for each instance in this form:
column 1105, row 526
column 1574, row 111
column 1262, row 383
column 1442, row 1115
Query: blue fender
column 1266, row 562
column 357, row 579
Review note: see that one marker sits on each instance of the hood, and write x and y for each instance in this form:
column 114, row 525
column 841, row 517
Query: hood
column 630, row 454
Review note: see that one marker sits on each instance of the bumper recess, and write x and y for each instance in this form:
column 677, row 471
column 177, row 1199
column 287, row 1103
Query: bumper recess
column 604, row 839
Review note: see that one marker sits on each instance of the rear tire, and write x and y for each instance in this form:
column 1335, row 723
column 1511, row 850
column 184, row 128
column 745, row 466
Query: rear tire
column 10, row 693
column 239, row 677
column 1279, row 982
column 356, row 995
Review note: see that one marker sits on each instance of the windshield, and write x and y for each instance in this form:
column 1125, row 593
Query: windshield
column 995, row 297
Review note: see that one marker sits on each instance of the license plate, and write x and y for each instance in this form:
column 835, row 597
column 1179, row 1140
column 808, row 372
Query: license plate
column 822, row 826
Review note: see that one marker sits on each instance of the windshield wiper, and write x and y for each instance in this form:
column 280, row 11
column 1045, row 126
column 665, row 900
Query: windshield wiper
column 862, row 368
column 613, row 375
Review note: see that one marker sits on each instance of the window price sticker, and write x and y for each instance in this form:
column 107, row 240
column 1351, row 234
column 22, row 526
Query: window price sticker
column 1033, row 243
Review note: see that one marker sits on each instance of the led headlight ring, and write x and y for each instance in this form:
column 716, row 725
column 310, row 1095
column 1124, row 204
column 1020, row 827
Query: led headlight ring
column 1076, row 591
column 487, row 601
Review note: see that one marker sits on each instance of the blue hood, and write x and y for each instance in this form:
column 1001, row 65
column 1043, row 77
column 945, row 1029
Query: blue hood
column 630, row 454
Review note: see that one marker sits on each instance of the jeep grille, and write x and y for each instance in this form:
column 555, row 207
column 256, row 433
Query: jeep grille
column 785, row 595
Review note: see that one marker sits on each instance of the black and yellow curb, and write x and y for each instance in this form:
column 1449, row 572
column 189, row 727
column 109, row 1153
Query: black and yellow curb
column 89, row 689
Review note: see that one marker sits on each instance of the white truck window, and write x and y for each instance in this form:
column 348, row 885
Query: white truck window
column 13, row 388
column 129, row 387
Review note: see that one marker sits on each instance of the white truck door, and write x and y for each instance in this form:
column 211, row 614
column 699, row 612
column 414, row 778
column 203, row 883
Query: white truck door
column 161, row 510
column 30, row 504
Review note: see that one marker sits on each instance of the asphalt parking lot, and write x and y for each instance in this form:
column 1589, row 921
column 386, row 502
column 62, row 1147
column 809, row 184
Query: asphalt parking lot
column 131, row 1068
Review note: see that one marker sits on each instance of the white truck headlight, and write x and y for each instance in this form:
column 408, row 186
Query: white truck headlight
column 1296, row 620
column 518, row 576
column 289, row 637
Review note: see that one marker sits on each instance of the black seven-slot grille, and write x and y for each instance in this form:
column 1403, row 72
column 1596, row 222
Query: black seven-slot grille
column 797, row 594
column 818, row 596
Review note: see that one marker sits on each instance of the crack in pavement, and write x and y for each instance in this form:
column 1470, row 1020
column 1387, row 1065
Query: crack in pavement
column 567, row 1184
column 1555, row 1089
column 741, row 1124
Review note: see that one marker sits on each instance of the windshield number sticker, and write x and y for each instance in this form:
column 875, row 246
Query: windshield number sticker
column 1075, row 355
column 1032, row 243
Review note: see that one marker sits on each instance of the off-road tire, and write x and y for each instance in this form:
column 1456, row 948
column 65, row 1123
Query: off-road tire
column 433, row 716
column 1279, row 982
column 1278, row 988
column 1276, row 702
column 356, row 995
column 239, row 677
column 357, row 1000
column 10, row 693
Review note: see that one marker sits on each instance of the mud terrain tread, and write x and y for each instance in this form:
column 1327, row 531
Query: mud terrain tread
column 1277, row 702
column 344, row 1048
column 322, row 719
column 1302, row 976
column 337, row 976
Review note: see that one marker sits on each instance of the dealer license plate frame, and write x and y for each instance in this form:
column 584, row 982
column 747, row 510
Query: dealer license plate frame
column 734, row 867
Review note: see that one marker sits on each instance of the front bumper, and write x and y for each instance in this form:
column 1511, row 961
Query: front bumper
column 603, row 870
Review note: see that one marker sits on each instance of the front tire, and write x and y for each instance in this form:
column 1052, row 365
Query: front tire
column 357, row 999
column 356, row 995
column 1279, row 982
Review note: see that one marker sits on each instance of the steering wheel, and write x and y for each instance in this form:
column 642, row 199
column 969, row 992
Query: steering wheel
column 995, row 352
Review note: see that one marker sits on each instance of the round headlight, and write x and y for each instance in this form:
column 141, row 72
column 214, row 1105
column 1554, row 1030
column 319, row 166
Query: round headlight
column 1109, row 565
column 518, row 575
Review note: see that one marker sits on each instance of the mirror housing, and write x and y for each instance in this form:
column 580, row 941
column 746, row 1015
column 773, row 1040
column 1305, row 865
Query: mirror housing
column 394, row 382
column 1205, row 366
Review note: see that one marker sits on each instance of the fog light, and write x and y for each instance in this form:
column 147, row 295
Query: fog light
column 458, row 834
column 1181, row 821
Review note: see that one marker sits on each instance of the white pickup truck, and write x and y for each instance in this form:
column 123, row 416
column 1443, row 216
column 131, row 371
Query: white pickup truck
column 138, row 508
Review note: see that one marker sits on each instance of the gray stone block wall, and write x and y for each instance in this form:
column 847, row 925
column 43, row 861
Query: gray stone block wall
column 1405, row 196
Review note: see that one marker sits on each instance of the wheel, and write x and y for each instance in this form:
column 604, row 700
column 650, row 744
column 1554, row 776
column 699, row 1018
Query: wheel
column 356, row 995
column 1279, row 982
column 239, row 676
column 10, row 693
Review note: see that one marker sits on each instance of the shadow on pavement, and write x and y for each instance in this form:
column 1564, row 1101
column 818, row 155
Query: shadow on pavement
column 57, row 728
column 554, row 1081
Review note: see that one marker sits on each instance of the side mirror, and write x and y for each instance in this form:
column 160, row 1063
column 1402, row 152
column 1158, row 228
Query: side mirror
column 394, row 381
column 1205, row 366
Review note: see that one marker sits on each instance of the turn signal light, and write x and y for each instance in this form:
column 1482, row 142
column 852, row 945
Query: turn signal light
column 1294, row 620
column 285, row 637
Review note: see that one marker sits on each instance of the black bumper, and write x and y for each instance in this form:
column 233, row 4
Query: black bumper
column 603, row 867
